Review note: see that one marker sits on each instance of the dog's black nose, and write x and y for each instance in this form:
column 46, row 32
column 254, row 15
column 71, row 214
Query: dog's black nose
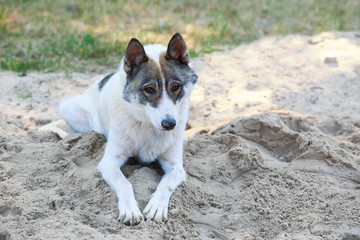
column 168, row 123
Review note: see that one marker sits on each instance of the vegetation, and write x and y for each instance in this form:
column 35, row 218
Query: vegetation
column 47, row 35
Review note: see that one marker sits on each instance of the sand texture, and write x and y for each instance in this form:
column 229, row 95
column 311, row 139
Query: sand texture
column 273, row 151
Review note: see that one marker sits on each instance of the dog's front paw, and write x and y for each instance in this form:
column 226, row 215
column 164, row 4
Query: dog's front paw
column 130, row 215
column 156, row 211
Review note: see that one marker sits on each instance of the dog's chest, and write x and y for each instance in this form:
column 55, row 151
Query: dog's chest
column 149, row 145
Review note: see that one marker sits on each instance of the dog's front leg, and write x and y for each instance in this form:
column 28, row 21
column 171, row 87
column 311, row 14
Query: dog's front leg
column 109, row 167
column 171, row 162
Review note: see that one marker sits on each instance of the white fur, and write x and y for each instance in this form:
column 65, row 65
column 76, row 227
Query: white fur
column 132, row 130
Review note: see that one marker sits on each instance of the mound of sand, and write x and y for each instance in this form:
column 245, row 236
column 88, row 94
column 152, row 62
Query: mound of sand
column 273, row 151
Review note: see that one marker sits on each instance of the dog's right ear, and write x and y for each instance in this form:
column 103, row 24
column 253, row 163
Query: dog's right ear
column 135, row 55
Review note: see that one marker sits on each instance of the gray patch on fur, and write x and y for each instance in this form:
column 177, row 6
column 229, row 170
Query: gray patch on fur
column 174, row 71
column 104, row 81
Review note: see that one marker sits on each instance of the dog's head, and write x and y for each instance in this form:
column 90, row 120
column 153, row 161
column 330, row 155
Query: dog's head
column 158, row 80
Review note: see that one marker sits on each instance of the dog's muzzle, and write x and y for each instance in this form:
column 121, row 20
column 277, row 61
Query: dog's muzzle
column 168, row 123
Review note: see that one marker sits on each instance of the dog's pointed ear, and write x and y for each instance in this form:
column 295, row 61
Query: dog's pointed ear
column 135, row 55
column 177, row 49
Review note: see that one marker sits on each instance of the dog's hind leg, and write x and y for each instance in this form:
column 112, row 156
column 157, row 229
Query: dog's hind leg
column 74, row 112
column 171, row 162
column 58, row 127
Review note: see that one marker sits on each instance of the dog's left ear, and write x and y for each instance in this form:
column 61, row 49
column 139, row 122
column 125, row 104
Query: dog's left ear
column 177, row 49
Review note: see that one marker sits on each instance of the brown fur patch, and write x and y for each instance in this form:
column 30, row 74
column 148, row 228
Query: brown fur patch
column 148, row 74
column 154, row 78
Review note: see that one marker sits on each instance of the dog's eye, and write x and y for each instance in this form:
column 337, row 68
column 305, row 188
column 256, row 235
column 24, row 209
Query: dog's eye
column 175, row 87
column 149, row 90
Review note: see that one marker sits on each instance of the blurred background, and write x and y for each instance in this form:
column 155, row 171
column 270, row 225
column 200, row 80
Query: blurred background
column 79, row 35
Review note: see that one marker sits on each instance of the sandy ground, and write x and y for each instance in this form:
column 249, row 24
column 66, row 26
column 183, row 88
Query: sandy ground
column 273, row 151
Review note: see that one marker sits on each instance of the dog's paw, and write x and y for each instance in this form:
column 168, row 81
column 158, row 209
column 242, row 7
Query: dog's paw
column 130, row 216
column 156, row 211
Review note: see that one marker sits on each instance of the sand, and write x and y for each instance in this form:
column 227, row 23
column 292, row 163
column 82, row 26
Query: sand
column 273, row 151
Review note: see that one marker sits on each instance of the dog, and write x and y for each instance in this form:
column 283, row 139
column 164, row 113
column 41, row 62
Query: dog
column 142, row 110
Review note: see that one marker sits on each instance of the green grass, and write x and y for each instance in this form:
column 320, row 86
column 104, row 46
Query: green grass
column 47, row 35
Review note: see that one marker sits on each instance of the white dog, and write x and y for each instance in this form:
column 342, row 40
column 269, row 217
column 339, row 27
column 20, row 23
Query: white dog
column 142, row 111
